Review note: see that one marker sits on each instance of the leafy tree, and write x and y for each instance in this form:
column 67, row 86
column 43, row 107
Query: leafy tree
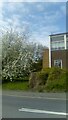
column 19, row 57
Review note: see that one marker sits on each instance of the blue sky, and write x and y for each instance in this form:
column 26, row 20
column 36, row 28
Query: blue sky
column 39, row 18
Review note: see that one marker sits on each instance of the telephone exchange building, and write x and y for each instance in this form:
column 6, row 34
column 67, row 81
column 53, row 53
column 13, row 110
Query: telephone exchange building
column 57, row 54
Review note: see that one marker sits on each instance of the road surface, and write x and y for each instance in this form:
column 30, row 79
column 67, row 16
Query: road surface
column 33, row 105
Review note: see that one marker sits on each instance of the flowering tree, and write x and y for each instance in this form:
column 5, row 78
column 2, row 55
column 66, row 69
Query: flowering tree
column 18, row 55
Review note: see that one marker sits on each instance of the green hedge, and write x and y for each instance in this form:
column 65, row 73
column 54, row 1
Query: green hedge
column 20, row 79
column 51, row 79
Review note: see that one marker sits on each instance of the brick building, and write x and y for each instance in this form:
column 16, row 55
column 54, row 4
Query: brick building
column 57, row 54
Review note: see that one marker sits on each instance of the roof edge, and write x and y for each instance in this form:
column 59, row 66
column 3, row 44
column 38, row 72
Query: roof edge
column 58, row 34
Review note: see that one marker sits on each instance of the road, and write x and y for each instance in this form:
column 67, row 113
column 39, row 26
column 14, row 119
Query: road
column 33, row 105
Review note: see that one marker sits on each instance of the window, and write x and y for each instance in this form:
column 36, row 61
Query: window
column 58, row 63
column 57, row 43
column 57, row 38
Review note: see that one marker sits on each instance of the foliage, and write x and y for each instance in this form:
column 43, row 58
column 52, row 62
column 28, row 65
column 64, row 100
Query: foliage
column 50, row 79
column 55, row 73
column 19, row 56
column 36, row 66
column 56, row 80
column 67, row 80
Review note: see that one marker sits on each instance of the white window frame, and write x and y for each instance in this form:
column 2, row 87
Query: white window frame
column 56, row 61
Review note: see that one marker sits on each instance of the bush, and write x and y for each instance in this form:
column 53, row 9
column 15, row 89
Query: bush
column 67, row 81
column 51, row 79
column 43, row 76
column 56, row 80
column 55, row 73
column 36, row 66
column 14, row 79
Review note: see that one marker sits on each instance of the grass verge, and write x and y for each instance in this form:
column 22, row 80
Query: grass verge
column 15, row 86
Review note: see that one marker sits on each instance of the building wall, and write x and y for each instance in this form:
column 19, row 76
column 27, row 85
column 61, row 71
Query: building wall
column 46, row 58
column 60, row 54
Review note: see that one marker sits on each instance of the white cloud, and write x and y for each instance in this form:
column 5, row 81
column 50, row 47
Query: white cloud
column 3, row 25
column 15, row 20
column 39, row 38
column 49, row 17
column 22, row 0
column 15, row 23
column 1, row 6
column 52, row 17
column 34, row 0
column 63, row 9
column 40, row 7
column 55, row 0
column 42, row 35
column 51, row 29
column 15, row 7
column 32, row 16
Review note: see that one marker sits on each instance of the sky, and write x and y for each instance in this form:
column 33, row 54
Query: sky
column 40, row 19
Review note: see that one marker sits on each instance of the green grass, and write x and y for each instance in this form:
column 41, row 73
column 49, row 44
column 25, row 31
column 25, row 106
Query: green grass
column 15, row 86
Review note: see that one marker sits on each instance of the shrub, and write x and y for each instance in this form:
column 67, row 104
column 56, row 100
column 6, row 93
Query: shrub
column 56, row 80
column 43, row 76
column 67, row 80
column 51, row 79
column 54, row 73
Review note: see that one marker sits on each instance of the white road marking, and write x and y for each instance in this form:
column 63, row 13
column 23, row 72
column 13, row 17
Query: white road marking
column 41, row 111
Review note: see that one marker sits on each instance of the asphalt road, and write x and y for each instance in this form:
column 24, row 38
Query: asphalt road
column 33, row 105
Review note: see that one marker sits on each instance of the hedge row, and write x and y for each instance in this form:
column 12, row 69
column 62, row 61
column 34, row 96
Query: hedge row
column 50, row 79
